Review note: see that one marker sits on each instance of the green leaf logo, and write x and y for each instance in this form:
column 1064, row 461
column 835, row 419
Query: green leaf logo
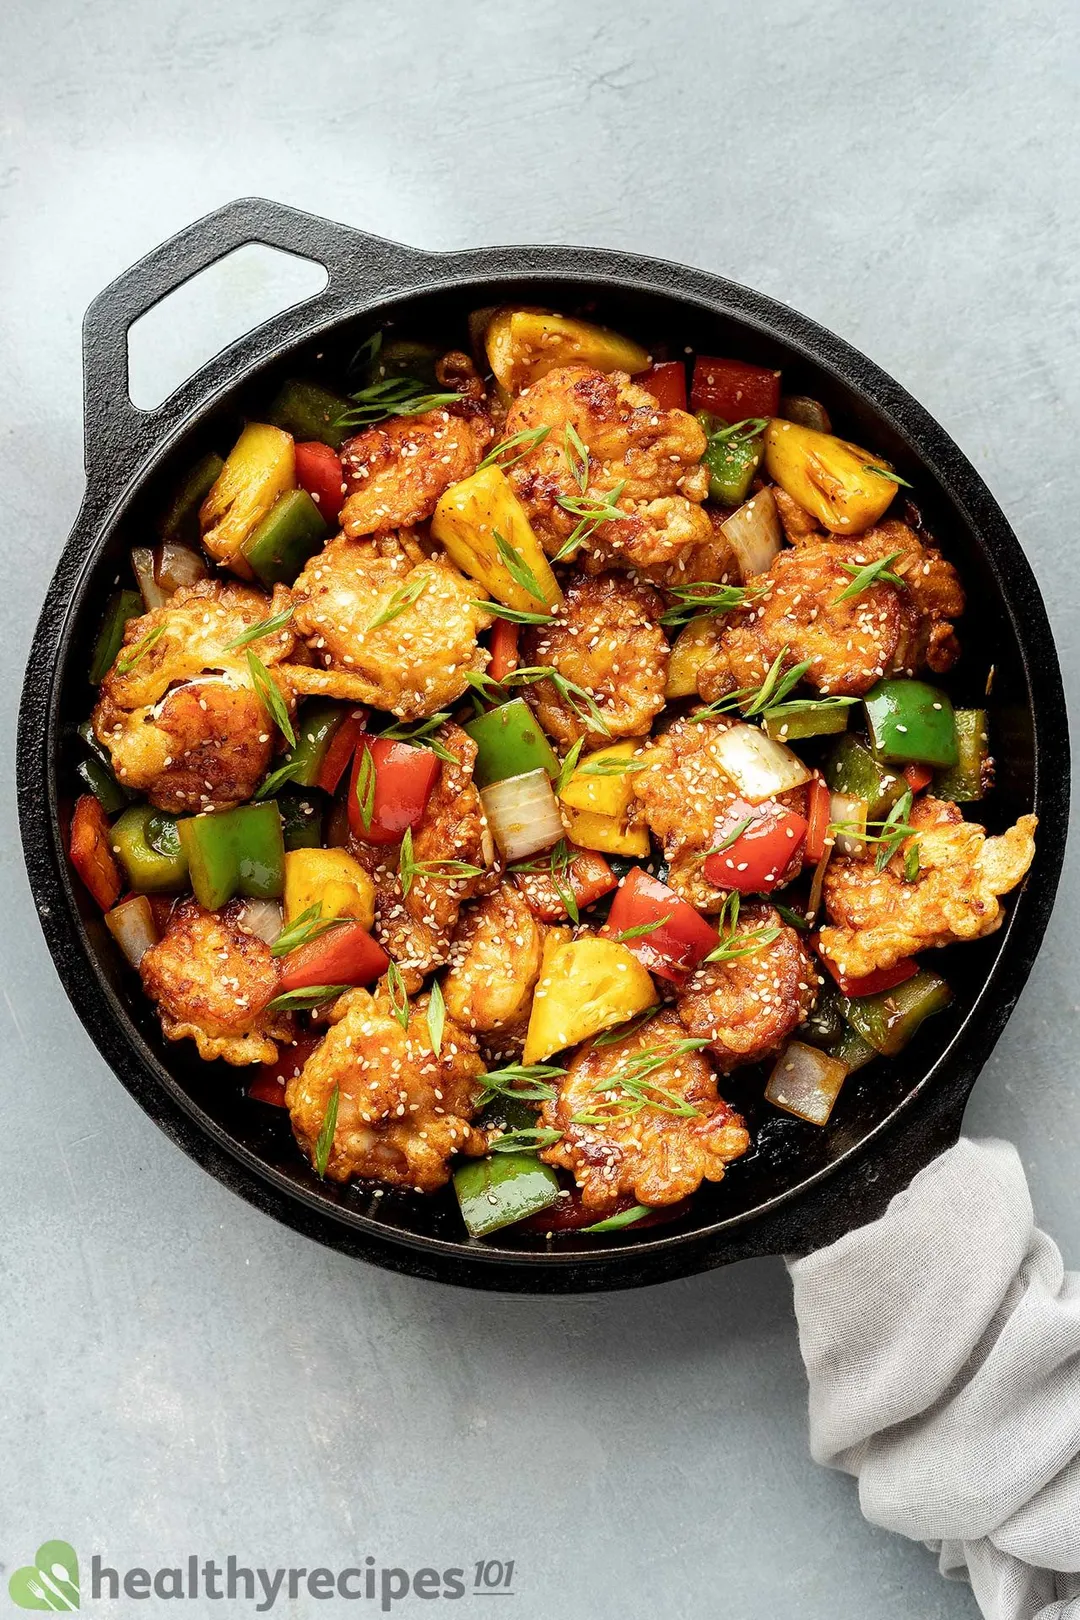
column 51, row 1582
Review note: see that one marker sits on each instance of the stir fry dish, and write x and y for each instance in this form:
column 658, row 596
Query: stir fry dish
column 496, row 752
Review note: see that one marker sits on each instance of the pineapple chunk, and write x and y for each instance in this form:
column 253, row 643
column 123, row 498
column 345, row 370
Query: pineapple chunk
column 523, row 345
column 260, row 468
column 694, row 645
column 330, row 880
column 609, row 834
column 469, row 521
column 829, row 477
column 603, row 795
column 586, row 985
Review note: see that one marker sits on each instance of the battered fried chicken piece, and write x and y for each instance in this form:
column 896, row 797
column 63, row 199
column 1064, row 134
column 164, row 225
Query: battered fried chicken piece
column 747, row 1007
column 799, row 525
column 402, row 1110
column 212, row 981
column 417, row 660
column 877, row 918
column 683, row 793
column 655, row 454
column 396, row 472
column 607, row 639
column 709, row 558
column 494, row 965
column 655, row 1154
column 178, row 711
column 850, row 643
column 416, row 928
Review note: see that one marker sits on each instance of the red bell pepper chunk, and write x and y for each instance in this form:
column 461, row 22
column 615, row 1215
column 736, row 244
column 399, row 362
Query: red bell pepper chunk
column 265, row 1088
column 871, row 983
column 918, row 777
column 345, row 955
column 91, row 852
column 404, row 778
column 817, row 820
column 340, row 750
column 757, row 861
column 269, row 1084
column 504, row 649
column 588, row 878
column 318, row 470
column 734, row 390
column 680, row 938
column 666, row 382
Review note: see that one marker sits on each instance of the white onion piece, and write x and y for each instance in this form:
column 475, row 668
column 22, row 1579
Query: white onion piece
column 523, row 814
column 132, row 926
column 142, row 560
column 754, row 533
column 759, row 766
column 262, row 918
column 806, row 1082
column 846, row 810
column 178, row 565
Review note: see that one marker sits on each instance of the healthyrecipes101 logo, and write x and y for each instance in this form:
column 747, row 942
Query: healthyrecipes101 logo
column 52, row 1581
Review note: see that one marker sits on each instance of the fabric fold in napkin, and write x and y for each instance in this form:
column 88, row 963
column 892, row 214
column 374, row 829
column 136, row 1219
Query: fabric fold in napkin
column 942, row 1344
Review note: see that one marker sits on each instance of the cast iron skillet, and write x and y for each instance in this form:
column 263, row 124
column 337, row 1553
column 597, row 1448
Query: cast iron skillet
column 801, row 1186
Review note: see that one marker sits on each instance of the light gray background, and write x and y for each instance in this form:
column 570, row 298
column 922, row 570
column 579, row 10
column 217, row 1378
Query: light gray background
column 176, row 1372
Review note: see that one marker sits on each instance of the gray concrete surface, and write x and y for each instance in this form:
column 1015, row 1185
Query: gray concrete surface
column 179, row 1375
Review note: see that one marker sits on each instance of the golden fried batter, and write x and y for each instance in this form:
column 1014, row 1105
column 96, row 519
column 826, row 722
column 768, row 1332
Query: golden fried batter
column 212, row 982
column 877, row 918
column 607, row 639
column 396, row 472
column 652, row 1153
column 654, row 454
column 683, row 794
column 402, row 1110
column 178, row 711
column 748, row 1006
column 850, row 643
column 417, row 660
column 799, row 525
column 415, row 929
column 494, row 964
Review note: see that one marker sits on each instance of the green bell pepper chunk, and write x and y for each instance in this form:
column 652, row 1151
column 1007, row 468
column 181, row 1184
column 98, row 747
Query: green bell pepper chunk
column 231, row 852
column 121, row 606
column 508, row 1114
column 98, row 775
column 148, row 845
column 103, row 785
column 510, row 743
column 309, row 411
column 500, row 1190
column 180, row 523
column 316, row 726
column 911, row 722
column 851, row 768
column 888, row 1020
column 851, row 1050
column 825, row 1025
column 292, row 531
column 732, row 460
column 968, row 779
column 403, row 357
column 301, row 819
column 796, row 721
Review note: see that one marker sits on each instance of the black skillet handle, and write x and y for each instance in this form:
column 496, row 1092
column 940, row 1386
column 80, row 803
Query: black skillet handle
column 862, row 1191
column 359, row 268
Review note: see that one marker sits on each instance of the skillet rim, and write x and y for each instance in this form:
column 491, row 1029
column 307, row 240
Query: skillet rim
column 928, row 1117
